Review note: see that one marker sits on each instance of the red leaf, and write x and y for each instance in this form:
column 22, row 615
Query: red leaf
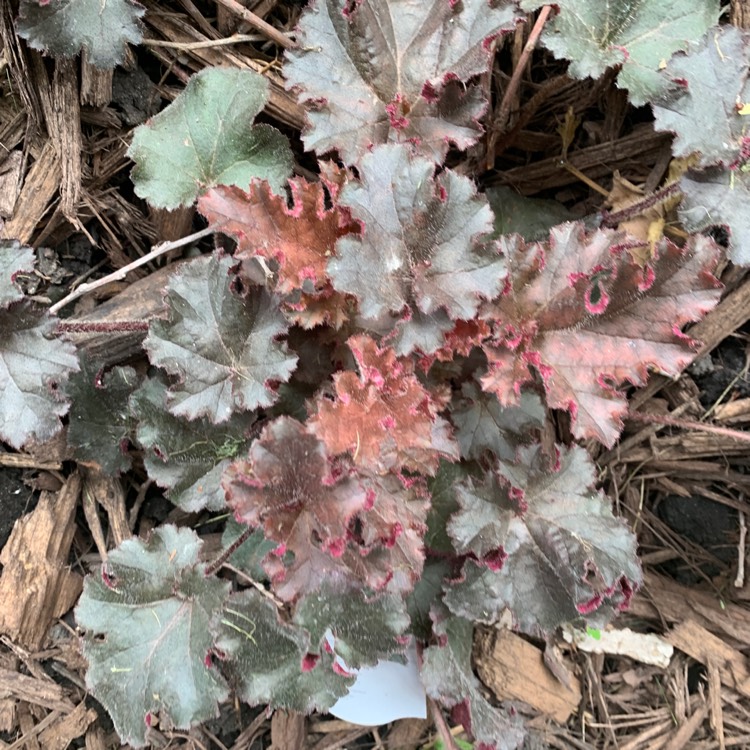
column 288, row 486
column 586, row 317
column 384, row 417
column 299, row 238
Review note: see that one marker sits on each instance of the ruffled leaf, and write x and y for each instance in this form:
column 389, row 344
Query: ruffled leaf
column 448, row 677
column 705, row 112
column 267, row 660
column 187, row 458
column 547, row 545
column 299, row 238
column 205, row 137
column 288, row 487
column 34, row 365
column 222, row 349
column 147, row 637
column 383, row 416
column 638, row 36
column 100, row 422
column 584, row 293
column 483, row 425
column 64, row 27
column 364, row 629
column 15, row 258
column 424, row 240
column 379, row 71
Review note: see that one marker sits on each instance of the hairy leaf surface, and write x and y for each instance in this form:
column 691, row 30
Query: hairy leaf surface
column 483, row 425
column 710, row 86
column 205, row 137
column 267, row 660
column 379, row 71
column 222, row 348
column 289, row 487
column 34, row 365
column 718, row 196
column 424, row 240
column 705, row 112
column 187, row 458
column 584, row 293
column 364, row 628
column 444, row 504
column 448, row 677
column 383, row 416
column 639, row 36
column 64, row 27
column 100, row 422
column 158, row 664
column 15, row 258
column 548, row 546
column 392, row 531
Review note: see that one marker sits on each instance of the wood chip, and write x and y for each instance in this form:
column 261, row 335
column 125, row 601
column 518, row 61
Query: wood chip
column 36, row 585
column 59, row 734
column 37, row 193
column 667, row 600
column 288, row 729
column 708, row 649
column 108, row 492
column 408, row 734
column 714, row 700
column 33, row 690
column 10, row 183
column 681, row 737
column 513, row 669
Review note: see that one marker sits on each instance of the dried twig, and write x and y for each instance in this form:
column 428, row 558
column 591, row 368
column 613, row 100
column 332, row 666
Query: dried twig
column 258, row 23
column 739, row 580
column 120, row 274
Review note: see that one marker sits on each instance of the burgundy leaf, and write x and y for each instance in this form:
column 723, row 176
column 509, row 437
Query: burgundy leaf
column 583, row 314
column 546, row 545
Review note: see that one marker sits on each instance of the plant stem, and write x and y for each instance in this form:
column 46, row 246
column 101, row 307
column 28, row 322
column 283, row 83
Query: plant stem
column 258, row 23
column 228, row 552
column 613, row 219
column 116, row 326
column 442, row 727
column 120, row 274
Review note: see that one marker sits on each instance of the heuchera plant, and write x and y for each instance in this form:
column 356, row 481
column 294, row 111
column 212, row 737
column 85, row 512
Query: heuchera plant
column 364, row 381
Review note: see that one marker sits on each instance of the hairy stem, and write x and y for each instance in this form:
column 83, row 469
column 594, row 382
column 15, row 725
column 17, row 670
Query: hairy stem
column 115, row 326
column 228, row 552
column 614, row 219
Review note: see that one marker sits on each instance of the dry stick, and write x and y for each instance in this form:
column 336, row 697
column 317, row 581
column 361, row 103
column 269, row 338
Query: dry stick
column 234, row 39
column 739, row 580
column 515, row 81
column 258, row 23
column 687, row 424
column 120, row 274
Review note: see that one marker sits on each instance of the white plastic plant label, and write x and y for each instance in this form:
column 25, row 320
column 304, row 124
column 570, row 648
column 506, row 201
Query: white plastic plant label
column 384, row 693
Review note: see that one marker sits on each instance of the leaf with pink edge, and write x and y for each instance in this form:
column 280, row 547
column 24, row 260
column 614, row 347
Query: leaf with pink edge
column 378, row 71
column 585, row 293
column 546, row 546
